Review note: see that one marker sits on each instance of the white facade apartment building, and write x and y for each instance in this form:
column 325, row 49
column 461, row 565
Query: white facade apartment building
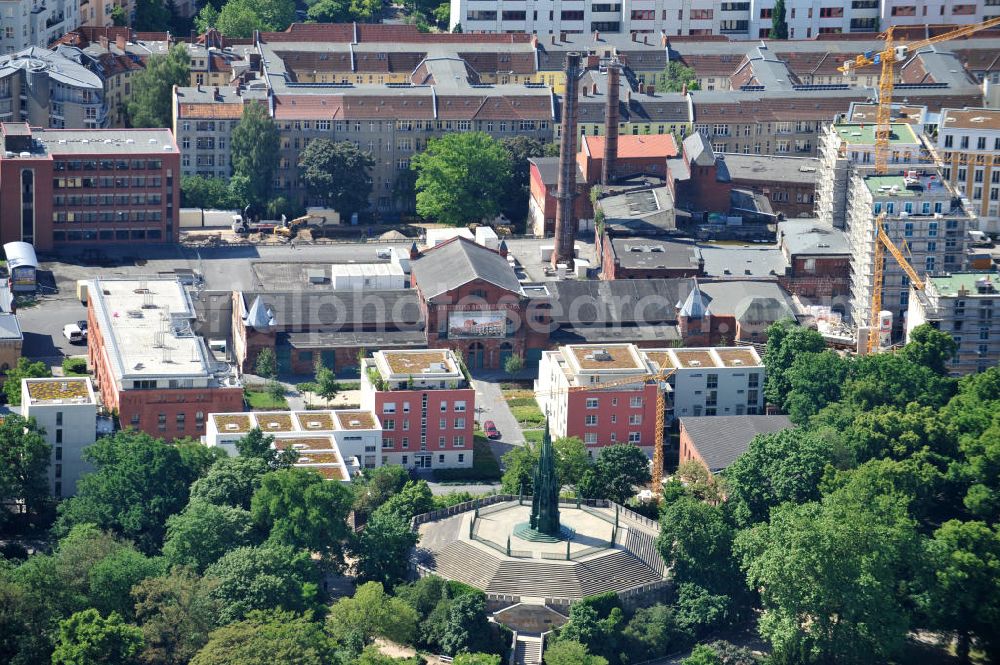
column 846, row 145
column 968, row 148
column 337, row 443
column 967, row 305
column 25, row 23
column 66, row 409
column 924, row 218
column 739, row 20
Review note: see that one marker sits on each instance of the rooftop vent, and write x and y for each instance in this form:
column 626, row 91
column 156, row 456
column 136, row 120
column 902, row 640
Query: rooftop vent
column 695, row 363
column 232, row 426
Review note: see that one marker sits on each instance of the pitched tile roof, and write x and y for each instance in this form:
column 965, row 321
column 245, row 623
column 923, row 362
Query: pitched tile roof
column 634, row 147
column 211, row 111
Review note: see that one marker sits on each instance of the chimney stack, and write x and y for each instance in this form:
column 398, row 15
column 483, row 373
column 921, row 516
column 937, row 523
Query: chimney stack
column 565, row 231
column 611, row 124
column 503, row 249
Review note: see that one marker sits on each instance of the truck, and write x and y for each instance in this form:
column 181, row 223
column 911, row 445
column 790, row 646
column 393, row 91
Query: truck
column 243, row 226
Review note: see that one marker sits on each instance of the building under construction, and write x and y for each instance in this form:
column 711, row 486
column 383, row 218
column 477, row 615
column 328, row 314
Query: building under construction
column 925, row 215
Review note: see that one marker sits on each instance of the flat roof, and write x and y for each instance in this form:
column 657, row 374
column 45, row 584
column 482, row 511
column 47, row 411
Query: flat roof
column 147, row 328
column 864, row 134
column 422, row 364
column 771, row 168
column 59, row 390
column 644, row 252
column 604, row 356
column 808, row 236
column 307, row 423
column 745, row 357
column 953, row 284
column 694, row 358
column 876, row 183
column 977, row 119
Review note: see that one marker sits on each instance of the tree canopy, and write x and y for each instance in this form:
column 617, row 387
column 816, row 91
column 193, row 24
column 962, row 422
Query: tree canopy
column 676, row 78
column 461, row 177
column 337, row 173
column 149, row 104
column 24, row 465
column 254, row 144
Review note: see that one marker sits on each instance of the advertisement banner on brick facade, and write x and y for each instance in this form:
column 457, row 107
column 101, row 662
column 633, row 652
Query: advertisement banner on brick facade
column 477, row 324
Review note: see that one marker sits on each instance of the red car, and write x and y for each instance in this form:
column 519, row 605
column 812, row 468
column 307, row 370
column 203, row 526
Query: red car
column 491, row 430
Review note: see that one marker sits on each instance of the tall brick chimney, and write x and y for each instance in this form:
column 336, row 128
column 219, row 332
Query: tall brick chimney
column 611, row 114
column 566, row 188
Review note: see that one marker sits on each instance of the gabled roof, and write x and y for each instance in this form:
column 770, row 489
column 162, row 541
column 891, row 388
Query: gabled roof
column 457, row 262
column 719, row 440
column 259, row 316
column 699, row 150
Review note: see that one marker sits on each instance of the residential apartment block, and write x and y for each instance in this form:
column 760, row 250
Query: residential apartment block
column 705, row 382
column 923, row 214
column 27, row 23
column 58, row 89
column 966, row 305
column 737, row 20
column 968, row 150
column 426, row 405
column 149, row 365
column 203, row 120
column 62, row 186
column 65, row 408
column 337, row 444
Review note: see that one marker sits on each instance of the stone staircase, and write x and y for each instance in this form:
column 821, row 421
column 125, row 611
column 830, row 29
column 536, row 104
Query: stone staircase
column 528, row 650
column 466, row 563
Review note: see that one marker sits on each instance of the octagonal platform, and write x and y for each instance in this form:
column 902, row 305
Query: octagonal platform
column 481, row 548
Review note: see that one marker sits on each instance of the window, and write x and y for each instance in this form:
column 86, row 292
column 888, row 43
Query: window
column 443, row 423
column 461, row 458
column 444, row 407
column 389, row 407
column 591, row 420
column 460, row 407
column 590, row 438
column 635, row 437
column 441, row 442
column 635, row 419
column 635, row 402
column 387, row 442
column 459, row 423
column 458, row 442
column 592, row 402
column 389, row 424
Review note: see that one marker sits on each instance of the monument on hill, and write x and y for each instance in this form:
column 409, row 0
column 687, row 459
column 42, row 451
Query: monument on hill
column 545, row 498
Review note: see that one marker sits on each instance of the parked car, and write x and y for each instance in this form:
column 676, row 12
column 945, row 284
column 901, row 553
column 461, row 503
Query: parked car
column 491, row 430
column 72, row 332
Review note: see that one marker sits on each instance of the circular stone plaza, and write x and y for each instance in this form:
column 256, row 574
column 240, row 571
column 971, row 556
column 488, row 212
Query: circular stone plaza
column 489, row 544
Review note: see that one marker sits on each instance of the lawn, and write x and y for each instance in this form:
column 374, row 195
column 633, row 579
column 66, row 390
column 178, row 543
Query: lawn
column 261, row 401
column 524, row 407
column 533, row 436
column 485, row 466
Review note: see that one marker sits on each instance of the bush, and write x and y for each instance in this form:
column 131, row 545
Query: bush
column 307, row 387
column 74, row 366
column 484, row 466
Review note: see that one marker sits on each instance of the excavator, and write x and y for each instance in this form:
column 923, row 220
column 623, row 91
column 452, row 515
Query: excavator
column 288, row 229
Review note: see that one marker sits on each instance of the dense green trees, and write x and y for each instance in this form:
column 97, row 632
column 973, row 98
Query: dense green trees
column 786, row 341
column 371, row 613
column 231, row 481
column 302, row 510
column 676, row 78
column 151, row 97
column 268, row 638
column 461, row 178
column 779, row 26
column 239, row 18
column 264, row 578
column 254, row 148
column 24, row 465
column 616, row 474
column 202, row 192
column 199, row 535
column 87, row 638
column 345, row 11
column 139, row 482
column 337, row 173
column 176, row 611
column 572, row 464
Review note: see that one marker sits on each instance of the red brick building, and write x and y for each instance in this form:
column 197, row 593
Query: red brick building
column 637, row 156
column 149, row 366
column 60, row 186
column 695, row 179
column 472, row 303
column 543, row 178
column 819, row 262
column 425, row 404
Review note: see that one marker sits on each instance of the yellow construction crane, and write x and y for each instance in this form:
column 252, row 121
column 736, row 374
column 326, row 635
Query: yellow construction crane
column 660, row 377
column 890, row 54
column 887, row 57
column 884, row 242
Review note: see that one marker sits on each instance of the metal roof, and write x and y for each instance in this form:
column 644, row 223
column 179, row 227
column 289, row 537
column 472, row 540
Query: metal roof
column 457, row 262
column 719, row 440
